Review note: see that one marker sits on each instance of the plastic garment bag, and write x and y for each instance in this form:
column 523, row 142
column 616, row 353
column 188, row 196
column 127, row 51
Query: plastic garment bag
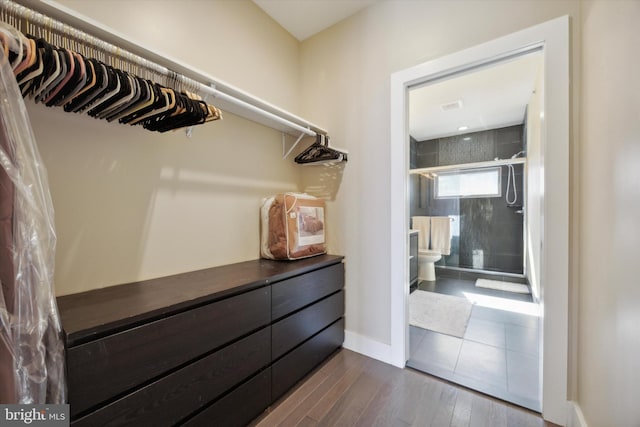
column 31, row 346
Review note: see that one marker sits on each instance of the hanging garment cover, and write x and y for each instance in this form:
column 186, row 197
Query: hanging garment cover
column 7, row 276
column 31, row 347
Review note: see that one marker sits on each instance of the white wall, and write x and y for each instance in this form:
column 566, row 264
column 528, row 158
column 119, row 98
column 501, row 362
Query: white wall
column 535, row 185
column 609, row 237
column 345, row 83
column 132, row 204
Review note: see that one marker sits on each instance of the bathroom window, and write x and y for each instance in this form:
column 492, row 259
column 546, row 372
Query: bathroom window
column 469, row 183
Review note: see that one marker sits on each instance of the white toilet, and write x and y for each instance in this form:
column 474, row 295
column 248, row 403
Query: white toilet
column 439, row 235
column 426, row 264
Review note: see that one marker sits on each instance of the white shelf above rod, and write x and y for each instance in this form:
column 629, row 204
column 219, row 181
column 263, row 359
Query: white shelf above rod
column 477, row 165
column 228, row 97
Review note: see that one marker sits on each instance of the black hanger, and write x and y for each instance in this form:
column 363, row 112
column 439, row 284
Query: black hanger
column 76, row 71
column 139, row 95
column 28, row 87
column 82, row 73
column 155, row 100
column 31, row 72
column 190, row 112
column 118, row 89
column 319, row 152
column 108, row 84
column 85, row 80
column 91, row 90
column 56, row 75
column 165, row 102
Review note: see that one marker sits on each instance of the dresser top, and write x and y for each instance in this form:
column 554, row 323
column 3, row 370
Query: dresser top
column 87, row 315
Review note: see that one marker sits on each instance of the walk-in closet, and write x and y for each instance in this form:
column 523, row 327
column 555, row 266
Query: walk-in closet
column 136, row 286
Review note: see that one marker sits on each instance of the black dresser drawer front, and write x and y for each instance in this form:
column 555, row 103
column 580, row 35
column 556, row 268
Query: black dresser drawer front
column 297, row 292
column 176, row 396
column 111, row 366
column 286, row 372
column 292, row 330
column 239, row 407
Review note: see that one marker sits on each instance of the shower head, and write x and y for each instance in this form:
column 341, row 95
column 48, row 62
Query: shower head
column 518, row 154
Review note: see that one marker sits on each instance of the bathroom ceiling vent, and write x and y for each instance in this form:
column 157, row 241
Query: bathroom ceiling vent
column 450, row 106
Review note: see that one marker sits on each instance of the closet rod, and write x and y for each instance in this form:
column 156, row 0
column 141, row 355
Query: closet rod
column 229, row 98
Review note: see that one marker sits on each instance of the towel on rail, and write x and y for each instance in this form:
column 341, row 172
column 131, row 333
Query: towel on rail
column 441, row 234
column 423, row 225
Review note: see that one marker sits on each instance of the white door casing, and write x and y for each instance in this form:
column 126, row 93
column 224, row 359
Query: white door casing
column 553, row 37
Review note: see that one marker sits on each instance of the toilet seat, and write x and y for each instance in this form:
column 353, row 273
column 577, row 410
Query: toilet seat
column 428, row 252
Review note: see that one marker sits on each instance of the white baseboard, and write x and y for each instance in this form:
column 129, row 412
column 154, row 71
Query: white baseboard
column 367, row 346
column 576, row 418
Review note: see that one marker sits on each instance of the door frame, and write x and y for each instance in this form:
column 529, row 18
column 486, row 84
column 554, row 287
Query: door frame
column 553, row 37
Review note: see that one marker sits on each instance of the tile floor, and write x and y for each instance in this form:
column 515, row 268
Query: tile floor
column 499, row 353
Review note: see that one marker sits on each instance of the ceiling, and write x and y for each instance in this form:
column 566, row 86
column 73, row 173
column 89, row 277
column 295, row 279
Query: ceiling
column 304, row 18
column 488, row 98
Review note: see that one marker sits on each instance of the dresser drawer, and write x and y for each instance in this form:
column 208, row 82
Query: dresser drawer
column 108, row 367
column 290, row 369
column 292, row 294
column 239, row 407
column 177, row 395
column 292, row 330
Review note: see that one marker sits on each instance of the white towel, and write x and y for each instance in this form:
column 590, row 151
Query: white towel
column 423, row 225
column 441, row 234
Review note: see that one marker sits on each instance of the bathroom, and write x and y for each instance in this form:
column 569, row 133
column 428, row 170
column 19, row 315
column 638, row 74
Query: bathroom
column 486, row 232
column 474, row 158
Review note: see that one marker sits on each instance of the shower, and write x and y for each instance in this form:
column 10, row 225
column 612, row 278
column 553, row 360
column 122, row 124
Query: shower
column 511, row 182
column 463, row 177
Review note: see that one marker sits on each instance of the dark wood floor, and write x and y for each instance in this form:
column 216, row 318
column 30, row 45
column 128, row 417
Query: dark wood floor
column 353, row 390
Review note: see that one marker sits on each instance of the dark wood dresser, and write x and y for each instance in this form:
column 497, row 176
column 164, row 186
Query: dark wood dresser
column 213, row 347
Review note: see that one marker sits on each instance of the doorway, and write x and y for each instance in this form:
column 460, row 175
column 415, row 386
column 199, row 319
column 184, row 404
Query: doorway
column 470, row 136
column 553, row 38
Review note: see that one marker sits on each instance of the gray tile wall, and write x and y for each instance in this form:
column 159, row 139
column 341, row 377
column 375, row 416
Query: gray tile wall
column 486, row 224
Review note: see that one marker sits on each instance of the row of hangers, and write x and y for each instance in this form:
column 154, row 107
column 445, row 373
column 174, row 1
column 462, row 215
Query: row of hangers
column 321, row 152
column 62, row 77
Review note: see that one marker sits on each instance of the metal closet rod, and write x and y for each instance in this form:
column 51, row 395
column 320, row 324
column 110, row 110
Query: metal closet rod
column 241, row 104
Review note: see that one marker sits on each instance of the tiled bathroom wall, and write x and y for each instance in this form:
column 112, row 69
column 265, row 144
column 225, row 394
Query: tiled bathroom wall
column 487, row 233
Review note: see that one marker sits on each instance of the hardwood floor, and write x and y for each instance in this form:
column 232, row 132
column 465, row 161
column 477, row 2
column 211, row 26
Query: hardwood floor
column 353, row 390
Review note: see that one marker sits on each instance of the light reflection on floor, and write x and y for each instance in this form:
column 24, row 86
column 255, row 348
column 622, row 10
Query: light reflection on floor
column 522, row 307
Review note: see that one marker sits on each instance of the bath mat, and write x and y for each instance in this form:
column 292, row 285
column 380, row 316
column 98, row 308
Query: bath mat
column 440, row 313
column 503, row 286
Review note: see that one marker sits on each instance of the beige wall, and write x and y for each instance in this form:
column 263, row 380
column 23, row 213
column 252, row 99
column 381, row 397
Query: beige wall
column 132, row 204
column 609, row 238
column 234, row 41
column 345, row 85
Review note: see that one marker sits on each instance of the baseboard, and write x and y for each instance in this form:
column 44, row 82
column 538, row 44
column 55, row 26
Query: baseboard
column 576, row 418
column 367, row 346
